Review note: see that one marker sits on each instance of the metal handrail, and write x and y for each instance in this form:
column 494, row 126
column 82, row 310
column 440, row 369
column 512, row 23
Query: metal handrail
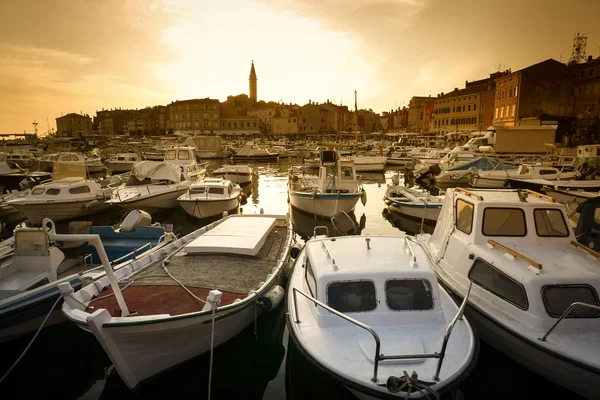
column 410, row 249
column 134, row 253
column 567, row 311
column 320, row 227
column 380, row 357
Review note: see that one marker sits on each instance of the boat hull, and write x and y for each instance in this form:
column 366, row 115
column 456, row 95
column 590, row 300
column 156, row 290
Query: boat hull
column 208, row 208
column 326, row 205
column 488, row 182
column 241, row 178
column 59, row 211
column 119, row 167
column 266, row 157
column 580, row 379
column 430, row 213
column 155, row 202
column 370, row 167
column 539, row 186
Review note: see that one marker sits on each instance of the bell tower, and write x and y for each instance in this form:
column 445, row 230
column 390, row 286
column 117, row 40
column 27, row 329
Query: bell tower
column 253, row 82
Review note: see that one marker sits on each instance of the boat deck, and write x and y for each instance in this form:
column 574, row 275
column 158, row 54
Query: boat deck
column 152, row 291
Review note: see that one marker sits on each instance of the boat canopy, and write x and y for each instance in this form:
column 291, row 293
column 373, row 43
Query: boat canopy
column 481, row 163
column 156, row 170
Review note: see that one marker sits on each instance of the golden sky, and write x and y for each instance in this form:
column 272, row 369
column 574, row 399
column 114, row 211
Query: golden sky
column 63, row 56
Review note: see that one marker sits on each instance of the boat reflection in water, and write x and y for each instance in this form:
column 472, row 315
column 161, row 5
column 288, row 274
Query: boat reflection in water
column 411, row 226
column 371, row 177
column 305, row 223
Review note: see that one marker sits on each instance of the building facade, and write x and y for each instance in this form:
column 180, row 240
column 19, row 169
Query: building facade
column 541, row 89
column 240, row 124
column 285, row 122
column 417, row 114
column 312, row 118
column 195, row 114
column 72, row 124
column 586, row 92
column 266, row 116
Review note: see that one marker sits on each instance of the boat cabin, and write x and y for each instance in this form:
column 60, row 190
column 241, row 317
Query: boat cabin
column 125, row 158
column 184, row 157
column 214, row 188
column 521, row 255
column 388, row 280
column 336, row 175
column 64, row 188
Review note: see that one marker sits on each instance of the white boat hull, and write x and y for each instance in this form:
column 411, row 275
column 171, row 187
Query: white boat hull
column 241, row 178
column 398, row 161
column 140, row 351
column 154, row 202
column 325, row 205
column 488, row 182
column 60, row 211
column 432, row 212
column 370, row 167
column 207, row 208
column 119, row 167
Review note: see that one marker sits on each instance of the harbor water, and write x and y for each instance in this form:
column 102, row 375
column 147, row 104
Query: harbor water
column 64, row 362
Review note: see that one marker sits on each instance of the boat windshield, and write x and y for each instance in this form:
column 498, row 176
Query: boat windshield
column 352, row 296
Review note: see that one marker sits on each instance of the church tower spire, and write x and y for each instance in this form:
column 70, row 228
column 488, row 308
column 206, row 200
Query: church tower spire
column 253, row 82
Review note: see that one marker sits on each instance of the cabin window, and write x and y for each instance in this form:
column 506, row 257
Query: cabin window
column 131, row 159
column 557, row 298
column 120, row 158
column 216, row 190
column 504, row 222
column 80, row 190
column 170, row 155
column 352, row 296
column 310, row 279
column 66, row 158
column 75, row 158
column 346, row 172
column 550, row 223
column 37, row 191
column 547, row 172
column 199, row 189
column 183, row 155
column 503, row 286
column 52, row 191
column 464, row 216
column 408, row 294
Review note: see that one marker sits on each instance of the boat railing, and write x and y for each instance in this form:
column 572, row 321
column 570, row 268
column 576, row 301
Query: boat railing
column 316, row 228
column 133, row 254
column 378, row 356
column 514, row 253
column 567, row 312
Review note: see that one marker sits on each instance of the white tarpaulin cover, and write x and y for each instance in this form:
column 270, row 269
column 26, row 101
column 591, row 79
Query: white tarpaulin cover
column 436, row 244
column 156, row 170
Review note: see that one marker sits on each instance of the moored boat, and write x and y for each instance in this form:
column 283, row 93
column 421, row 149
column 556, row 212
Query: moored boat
column 415, row 203
column 122, row 162
column 366, row 310
column 251, row 152
column 240, row 174
column 535, row 288
column 210, row 198
column 335, row 189
column 192, row 295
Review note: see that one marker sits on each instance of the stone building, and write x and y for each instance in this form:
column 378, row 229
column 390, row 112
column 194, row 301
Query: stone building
column 285, row 121
column 195, row 114
column 586, row 92
column 72, row 124
column 239, row 124
column 542, row 88
column 312, row 118
column 418, row 117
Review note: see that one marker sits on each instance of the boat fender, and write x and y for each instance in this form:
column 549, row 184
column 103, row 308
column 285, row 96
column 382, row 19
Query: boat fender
column 363, row 197
column 295, row 251
column 272, row 298
column 92, row 204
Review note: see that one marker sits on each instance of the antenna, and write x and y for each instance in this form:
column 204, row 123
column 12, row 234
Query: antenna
column 500, row 67
column 579, row 44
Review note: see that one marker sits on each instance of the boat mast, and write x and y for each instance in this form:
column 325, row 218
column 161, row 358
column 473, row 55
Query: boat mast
column 355, row 124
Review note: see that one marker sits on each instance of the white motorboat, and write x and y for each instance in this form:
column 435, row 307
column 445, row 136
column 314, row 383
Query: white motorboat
column 210, row 198
column 62, row 199
column 369, row 163
column 368, row 309
column 22, row 158
column 538, row 184
column 240, row 174
column 251, row 152
column 211, row 283
column 153, row 186
column 499, row 178
column 122, row 162
column 154, row 154
column 406, row 155
column 335, row 189
column 535, row 288
column 14, row 178
column 416, row 203
column 184, row 157
column 29, row 281
column 66, row 161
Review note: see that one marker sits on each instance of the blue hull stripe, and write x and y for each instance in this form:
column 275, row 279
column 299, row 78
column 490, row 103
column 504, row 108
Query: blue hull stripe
column 39, row 295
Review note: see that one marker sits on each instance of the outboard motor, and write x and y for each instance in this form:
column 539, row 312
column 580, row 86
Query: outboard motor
column 587, row 230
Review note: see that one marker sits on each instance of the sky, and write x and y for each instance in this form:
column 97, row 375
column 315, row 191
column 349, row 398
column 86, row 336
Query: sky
column 62, row 56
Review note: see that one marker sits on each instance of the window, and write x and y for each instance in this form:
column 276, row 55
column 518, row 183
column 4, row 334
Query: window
column 474, row 107
column 170, row 155
column 501, row 112
column 183, row 155
column 516, row 90
column 352, row 296
column 310, row 279
column 503, row 286
column 514, row 107
column 408, row 294
column 469, row 108
column 80, row 190
column 464, row 216
column 216, row 190
column 37, row 191
column 75, row 158
column 557, row 298
column 591, row 72
column 504, row 222
column 463, row 108
column 496, row 114
column 53, row 191
column 346, row 172
column 66, row 158
column 550, row 223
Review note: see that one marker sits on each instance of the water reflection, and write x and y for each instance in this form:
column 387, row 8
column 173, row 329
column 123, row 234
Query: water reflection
column 305, row 223
column 407, row 224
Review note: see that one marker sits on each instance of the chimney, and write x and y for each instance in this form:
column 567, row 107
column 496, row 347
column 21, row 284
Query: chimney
column 442, row 94
column 590, row 58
